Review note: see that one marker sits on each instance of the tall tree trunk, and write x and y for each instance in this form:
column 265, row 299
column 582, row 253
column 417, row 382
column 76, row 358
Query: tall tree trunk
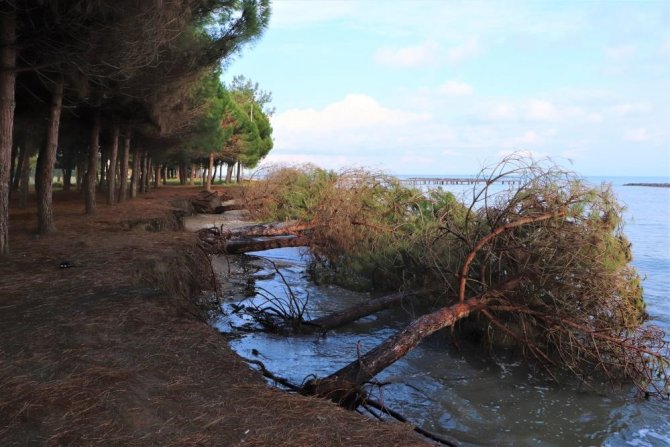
column 136, row 174
column 111, row 172
column 182, row 173
column 216, row 168
column 194, row 172
column 67, row 178
column 143, row 172
column 102, row 176
column 7, row 105
column 165, row 173
column 24, row 184
column 19, row 166
column 45, row 164
column 210, row 169
column 239, row 172
column 123, row 172
column 13, row 169
column 81, row 173
column 147, row 174
column 94, row 143
column 158, row 169
column 229, row 172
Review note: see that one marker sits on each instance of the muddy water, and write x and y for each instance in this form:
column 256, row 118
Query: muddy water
column 465, row 395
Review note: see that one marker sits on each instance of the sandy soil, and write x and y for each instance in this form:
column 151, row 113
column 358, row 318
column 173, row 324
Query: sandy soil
column 111, row 351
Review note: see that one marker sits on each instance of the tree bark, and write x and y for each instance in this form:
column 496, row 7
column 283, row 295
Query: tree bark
column 67, row 178
column 14, row 169
column 210, row 168
column 94, row 143
column 45, row 164
column 111, row 172
column 142, row 172
column 165, row 173
column 24, row 183
column 158, row 170
column 342, row 317
column 343, row 386
column 229, row 172
column 102, row 178
column 135, row 176
column 123, row 172
column 239, row 172
column 147, row 174
column 23, row 158
column 194, row 172
column 7, row 105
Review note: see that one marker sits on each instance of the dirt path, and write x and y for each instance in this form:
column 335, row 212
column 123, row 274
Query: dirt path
column 108, row 352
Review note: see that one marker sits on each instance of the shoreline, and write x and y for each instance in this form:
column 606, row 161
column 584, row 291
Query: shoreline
column 115, row 351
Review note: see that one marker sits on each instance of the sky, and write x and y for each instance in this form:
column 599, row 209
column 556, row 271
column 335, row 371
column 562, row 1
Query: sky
column 447, row 87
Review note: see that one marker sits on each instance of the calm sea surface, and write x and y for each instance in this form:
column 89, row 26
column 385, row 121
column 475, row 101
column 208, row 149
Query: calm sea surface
column 473, row 398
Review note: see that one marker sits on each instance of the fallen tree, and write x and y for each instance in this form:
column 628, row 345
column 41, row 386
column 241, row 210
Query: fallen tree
column 542, row 264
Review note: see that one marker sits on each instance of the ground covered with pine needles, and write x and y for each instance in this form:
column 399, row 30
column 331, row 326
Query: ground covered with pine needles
column 113, row 351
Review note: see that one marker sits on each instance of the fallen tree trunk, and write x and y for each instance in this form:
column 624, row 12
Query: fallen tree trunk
column 239, row 246
column 340, row 318
column 343, row 386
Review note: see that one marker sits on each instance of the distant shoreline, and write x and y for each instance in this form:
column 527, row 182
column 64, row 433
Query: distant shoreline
column 653, row 185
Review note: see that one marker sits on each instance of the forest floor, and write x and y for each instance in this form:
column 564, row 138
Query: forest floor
column 111, row 352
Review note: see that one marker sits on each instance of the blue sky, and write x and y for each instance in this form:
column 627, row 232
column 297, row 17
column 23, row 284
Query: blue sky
column 444, row 87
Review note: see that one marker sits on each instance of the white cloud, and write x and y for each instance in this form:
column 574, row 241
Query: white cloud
column 637, row 135
column 540, row 110
column 416, row 56
column 455, row 88
column 621, row 53
column 467, row 50
column 346, row 123
column 631, row 108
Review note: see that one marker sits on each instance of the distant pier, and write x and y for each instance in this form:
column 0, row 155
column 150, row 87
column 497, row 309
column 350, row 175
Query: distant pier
column 652, row 185
column 419, row 181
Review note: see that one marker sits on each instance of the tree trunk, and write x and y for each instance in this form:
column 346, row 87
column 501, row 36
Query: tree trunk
column 343, row 386
column 123, row 172
column 194, row 172
column 147, row 174
column 13, row 169
column 158, row 169
column 165, row 173
column 45, row 164
column 111, row 172
column 210, row 168
column 135, row 175
column 342, row 317
column 7, row 105
column 239, row 172
column 235, row 247
column 24, row 157
column 142, row 172
column 229, row 172
column 102, row 178
column 81, row 173
column 67, row 178
column 89, row 187
column 24, row 184
column 182, row 173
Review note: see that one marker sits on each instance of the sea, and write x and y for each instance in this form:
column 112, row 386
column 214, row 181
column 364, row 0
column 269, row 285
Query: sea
column 473, row 398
